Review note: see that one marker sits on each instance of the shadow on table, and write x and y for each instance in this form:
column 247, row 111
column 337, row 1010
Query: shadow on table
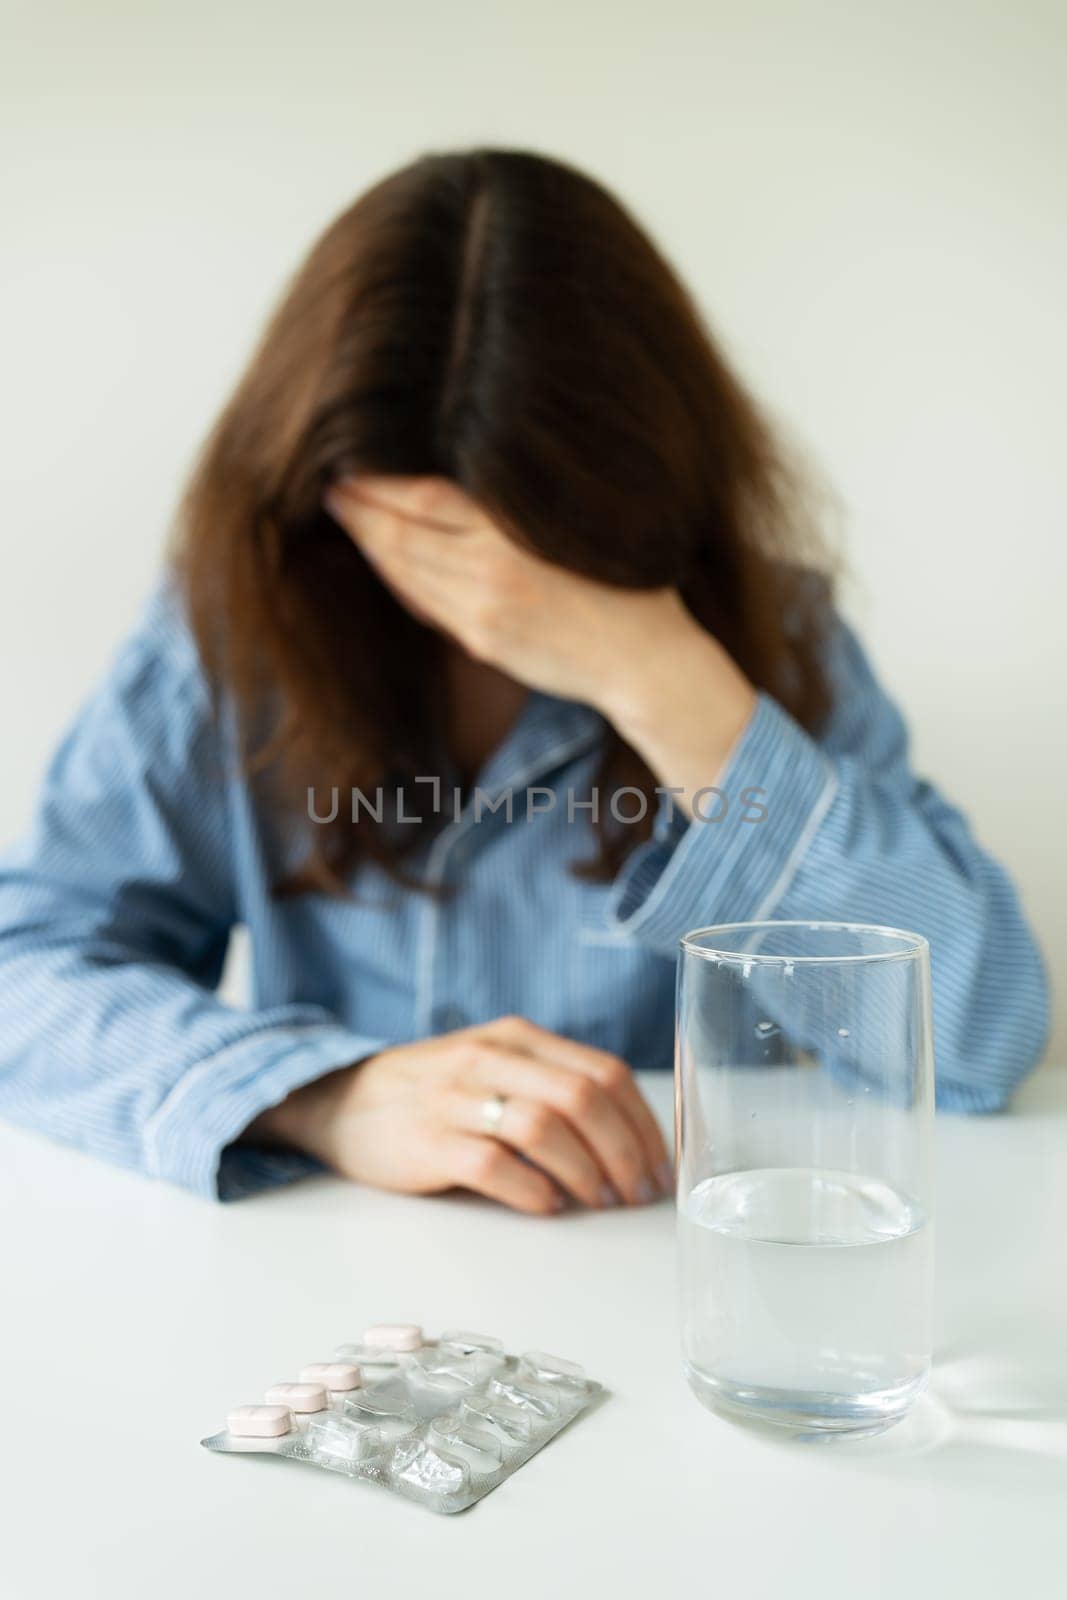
column 995, row 1414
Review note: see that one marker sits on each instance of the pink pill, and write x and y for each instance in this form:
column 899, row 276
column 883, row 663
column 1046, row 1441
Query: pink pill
column 259, row 1422
column 340, row 1376
column 394, row 1336
column 300, row 1397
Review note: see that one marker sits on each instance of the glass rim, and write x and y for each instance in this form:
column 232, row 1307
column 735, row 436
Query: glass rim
column 914, row 943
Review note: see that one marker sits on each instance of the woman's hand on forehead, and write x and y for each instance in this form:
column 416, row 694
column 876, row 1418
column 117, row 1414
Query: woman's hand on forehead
column 626, row 652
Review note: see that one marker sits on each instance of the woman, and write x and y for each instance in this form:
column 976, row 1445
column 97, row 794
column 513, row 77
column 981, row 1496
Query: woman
column 489, row 664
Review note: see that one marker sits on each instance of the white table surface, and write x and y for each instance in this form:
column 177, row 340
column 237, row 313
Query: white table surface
column 135, row 1315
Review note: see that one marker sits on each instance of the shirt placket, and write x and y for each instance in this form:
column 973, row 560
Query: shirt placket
column 538, row 746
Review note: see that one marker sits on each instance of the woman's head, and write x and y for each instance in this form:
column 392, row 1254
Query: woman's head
column 496, row 319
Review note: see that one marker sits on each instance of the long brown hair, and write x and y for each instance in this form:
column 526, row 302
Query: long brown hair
column 498, row 319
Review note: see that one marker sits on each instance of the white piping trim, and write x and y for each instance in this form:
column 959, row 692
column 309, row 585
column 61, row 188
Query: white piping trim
column 799, row 850
column 424, row 965
column 545, row 762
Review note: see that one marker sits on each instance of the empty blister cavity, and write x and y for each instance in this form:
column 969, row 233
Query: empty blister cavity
column 478, row 1447
column 382, row 1408
column 464, row 1343
column 566, row 1376
column 340, row 1444
column 535, row 1398
column 369, row 1355
column 511, row 1424
column 420, row 1467
column 338, row 1376
column 483, row 1351
column 437, row 1374
column 259, row 1422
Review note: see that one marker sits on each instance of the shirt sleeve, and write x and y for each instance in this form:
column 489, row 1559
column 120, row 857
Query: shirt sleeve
column 115, row 915
column 839, row 828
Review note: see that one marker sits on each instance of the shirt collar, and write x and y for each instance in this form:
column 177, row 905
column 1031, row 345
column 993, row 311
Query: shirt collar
column 548, row 733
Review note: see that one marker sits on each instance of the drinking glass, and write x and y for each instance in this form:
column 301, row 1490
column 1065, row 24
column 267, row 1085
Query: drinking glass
column 804, row 1123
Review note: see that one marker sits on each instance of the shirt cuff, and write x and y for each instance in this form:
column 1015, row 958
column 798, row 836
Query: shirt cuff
column 971, row 1099
column 736, row 869
column 190, row 1139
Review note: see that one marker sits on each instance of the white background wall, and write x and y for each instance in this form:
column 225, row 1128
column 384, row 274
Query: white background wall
column 867, row 197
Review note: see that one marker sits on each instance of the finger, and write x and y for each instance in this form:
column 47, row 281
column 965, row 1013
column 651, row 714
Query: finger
column 490, row 1168
column 370, row 521
column 542, row 1135
column 608, row 1070
column 434, row 574
column 434, row 581
column 439, row 595
column 593, row 1114
column 435, row 502
column 451, row 557
column 604, row 1068
column 366, row 523
column 413, row 581
column 344, row 508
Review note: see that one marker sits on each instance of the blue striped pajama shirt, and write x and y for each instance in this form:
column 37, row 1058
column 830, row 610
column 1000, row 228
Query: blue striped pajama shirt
column 148, row 847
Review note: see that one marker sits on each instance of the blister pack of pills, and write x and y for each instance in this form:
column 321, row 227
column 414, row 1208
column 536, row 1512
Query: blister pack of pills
column 441, row 1422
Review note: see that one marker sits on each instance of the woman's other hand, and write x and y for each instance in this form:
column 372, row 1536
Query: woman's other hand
column 566, row 1122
